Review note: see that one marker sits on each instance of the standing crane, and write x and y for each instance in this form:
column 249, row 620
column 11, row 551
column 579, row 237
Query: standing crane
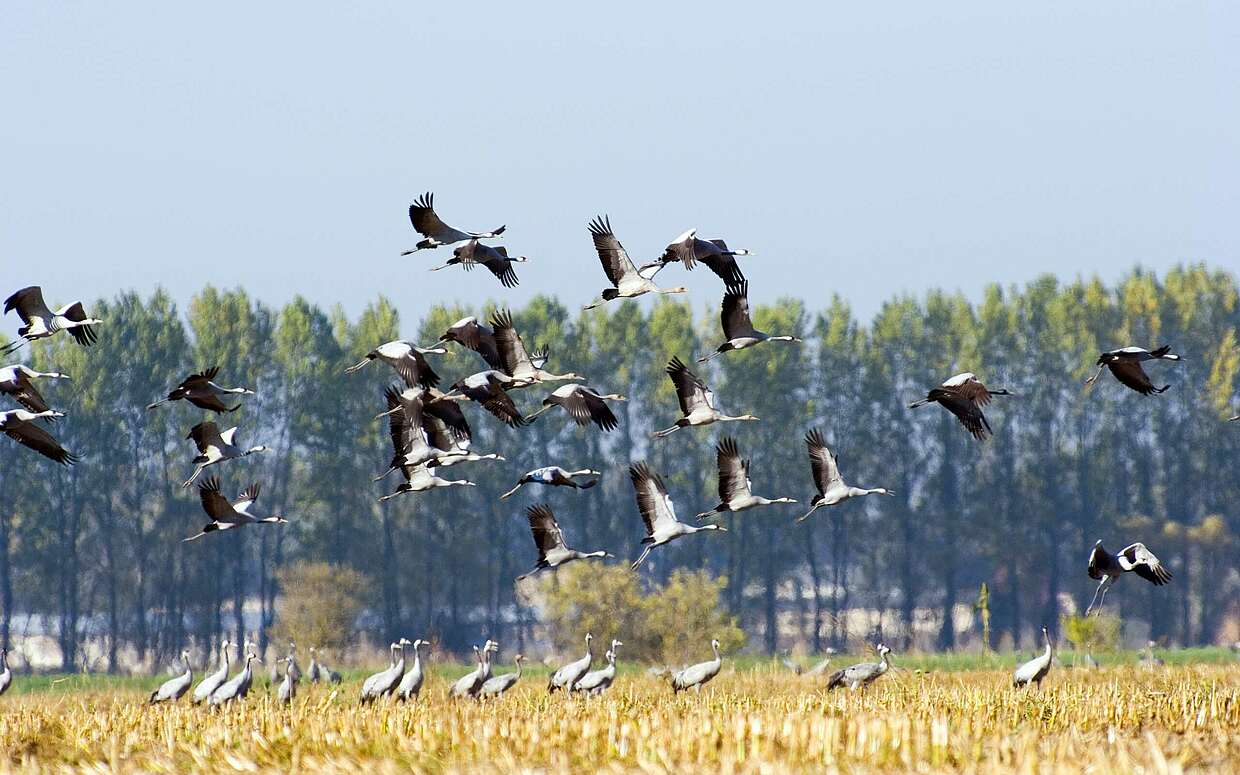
column 627, row 280
column 689, row 249
column 567, row 676
column 470, row 683
column 6, row 674
column 226, row 514
column 863, row 674
column 172, row 689
column 407, row 359
column 15, row 382
column 214, row 447
column 697, row 402
column 1125, row 365
column 19, row 425
column 288, row 687
column 596, row 682
column 696, row 676
column 549, row 541
column 385, row 681
column 411, row 682
column 208, row 685
column 555, row 476
column 494, row 687
column 658, row 513
column 42, row 322
column 1106, row 569
column 496, row 261
column 1033, row 671
column 583, row 404
column 427, row 223
column 832, row 489
column 735, row 493
column 964, row 395
column 738, row 330
column 238, row 686
column 201, row 391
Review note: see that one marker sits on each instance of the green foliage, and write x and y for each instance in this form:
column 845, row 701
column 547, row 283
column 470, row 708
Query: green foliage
column 319, row 605
column 1092, row 633
column 671, row 623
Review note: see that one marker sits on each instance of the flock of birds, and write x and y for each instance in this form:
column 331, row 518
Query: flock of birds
column 430, row 432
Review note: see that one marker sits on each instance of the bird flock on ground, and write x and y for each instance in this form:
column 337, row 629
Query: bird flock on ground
column 430, row 432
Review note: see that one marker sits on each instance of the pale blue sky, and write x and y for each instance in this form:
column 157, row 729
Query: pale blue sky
column 859, row 148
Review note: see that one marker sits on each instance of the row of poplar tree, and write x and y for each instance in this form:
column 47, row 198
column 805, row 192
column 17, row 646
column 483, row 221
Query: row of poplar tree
column 94, row 551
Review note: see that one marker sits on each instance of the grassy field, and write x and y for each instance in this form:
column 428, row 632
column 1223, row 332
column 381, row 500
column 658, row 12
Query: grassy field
column 932, row 715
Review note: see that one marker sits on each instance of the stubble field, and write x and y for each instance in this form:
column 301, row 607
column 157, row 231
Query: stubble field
column 1119, row 719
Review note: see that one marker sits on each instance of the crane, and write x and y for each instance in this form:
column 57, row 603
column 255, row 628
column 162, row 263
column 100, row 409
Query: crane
column 689, row 249
column 201, row 391
column 863, row 674
column 555, row 476
column 15, row 382
column 41, row 322
column 583, row 404
column 738, row 330
column 1125, row 365
column 832, row 489
column 1033, row 671
column 735, row 493
column 427, row 223
column 215, row 447
column 226, row 514
column 549, row 541
column 627, row 281
column 19, row 425
column 496, row 260
column 1107, row 568
column 567, row 676
column 407, row 359
column 470, row 683
column 208, row 685
column 964, row 395
column 385, row 681
column 494, row 687
column 411, row 682
column 657, row 511
column 696, row 676
column 596, row 682
column 172, row 689
column 697, row 401
column 238, row 686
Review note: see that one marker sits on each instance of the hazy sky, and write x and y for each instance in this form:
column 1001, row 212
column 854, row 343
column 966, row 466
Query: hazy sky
column 859, row 148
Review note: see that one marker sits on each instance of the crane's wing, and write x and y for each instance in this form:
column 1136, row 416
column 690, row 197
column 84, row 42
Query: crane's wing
column 28, row 395
column 1097, row 563
column 965, row 409
column 422, row 216
column 201, row 378
column 438, row 434
column 680, row 250
column 214, row 503
column 497, row 262
column 1132, row 375
column 544, row 528
column 973, row 390
column 477, row 337
column 734, row 315
column 29, row 304
column 399, row 427
column 85, row 335
column 415, row 371
column 733, row 471
column 512, row 353
column 598, row 410
column 611, row 254
column 691, row 392
column 205, row 434
column 449, row 413
column 211, row 403
column 497, row 401
column 652, row 497
column 247, row 497
column 822, row 463
column 30, row 435
column 721, row 262
column 1142, row 561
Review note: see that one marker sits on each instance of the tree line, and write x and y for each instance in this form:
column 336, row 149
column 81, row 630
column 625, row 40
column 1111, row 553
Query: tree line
column 96, row 549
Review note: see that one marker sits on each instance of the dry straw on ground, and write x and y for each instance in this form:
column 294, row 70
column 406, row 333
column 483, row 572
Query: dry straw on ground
column 1121, row 720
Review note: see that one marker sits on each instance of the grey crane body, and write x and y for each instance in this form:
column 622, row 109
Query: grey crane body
column 16, row 381
column 596, row 682
column 469, row 684
column 172, row 689
column 437, row 233
column 550, row 543
column 238, row 686
column 288, row 687
column 585, row 405
column 568, row 675
column 555, row 476
column 1107, row 568
column 832, row 489
column 201, row 390
column 495, row 260
column 689, row 249
column 697, row 401
column 1125, row 366
column 42, row 322
column 735, row 487
column 494, row 687
column 964, row 395
column 627, row 281
column 406, row 359
column 411, row 682
column 208, row 685
column 21, row 426
column 657, row 512
column 696, row 676
column 1033, row 671
column 738, row 330
column 863, row 674
column 215, row 447
column 385, row 681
